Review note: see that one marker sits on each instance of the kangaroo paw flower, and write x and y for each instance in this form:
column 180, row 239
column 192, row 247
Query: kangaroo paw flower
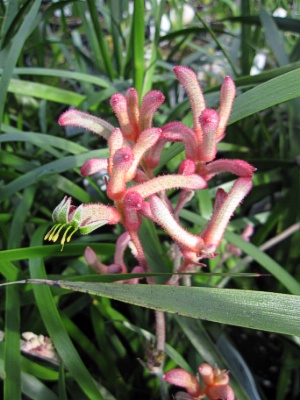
column 236, row 167
column 215, row 383
column 214, row 230
column 118, row 103
column 150, row 103
column 132, row 98
column 209, row 120
column 165, row 219
column 227, row 96
column 86, row 121
column 189, row 81
column 178, row 132
column 166, row 182
column 122, row 161
column 180, row 377
column 85, row 219
column 93, row 165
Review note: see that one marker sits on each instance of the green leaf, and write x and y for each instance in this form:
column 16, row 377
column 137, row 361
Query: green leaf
column 56, row 329
column 15, row 49
column 272, row 312
column 12, row 356
column 54, row 250
column 273, row 38
column 276, row 91
column 98, row 30
column 60, row 73
column 46, row 92
column 43, row 172
column 32, row 387
column 41, row 139
column 138, row 45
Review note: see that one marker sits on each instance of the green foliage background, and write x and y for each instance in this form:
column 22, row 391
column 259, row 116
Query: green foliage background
column 56, row 55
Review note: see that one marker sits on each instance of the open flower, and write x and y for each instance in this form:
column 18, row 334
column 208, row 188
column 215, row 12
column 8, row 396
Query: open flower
column 214, row 387
column 85, row 219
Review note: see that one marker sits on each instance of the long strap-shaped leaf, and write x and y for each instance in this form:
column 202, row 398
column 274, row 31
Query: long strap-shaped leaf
column 275, row 91
column 15, row 49
column 56, row 329
column 12, row 357
column 273, row 312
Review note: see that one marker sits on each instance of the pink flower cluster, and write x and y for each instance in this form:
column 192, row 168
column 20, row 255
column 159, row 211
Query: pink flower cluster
column 215, row 383
column 134, row 152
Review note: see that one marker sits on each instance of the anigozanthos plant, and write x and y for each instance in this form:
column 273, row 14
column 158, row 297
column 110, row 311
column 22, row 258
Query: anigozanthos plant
column 134, row 152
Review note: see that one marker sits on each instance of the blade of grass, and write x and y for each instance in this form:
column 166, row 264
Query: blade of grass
column 91, row 5
column 8, row 269
column 62, row 390
column 11, row 11
column 138, row 45
column 148, row 79
column 60, row 73
column 70, row 188
column 17, row 44
column 276, row 91
column 285, row 24
column 46, row 92
column 39, row 139
column 116, row 22
column 55, row 250
column 273, row 38
column 55, row 327
column 32, row 387
column 245, row 37
column 43, row 172
column 37, row 370
column 218, row 43
column 12, row 355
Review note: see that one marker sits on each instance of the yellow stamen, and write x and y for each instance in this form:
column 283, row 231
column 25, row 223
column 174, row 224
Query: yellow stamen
column 71, row 234
column 63, row 239
column 50, row 232
column 55, row 235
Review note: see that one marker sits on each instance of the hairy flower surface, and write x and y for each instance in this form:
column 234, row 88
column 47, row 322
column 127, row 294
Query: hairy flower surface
column 135, row 149
column 214, row 385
